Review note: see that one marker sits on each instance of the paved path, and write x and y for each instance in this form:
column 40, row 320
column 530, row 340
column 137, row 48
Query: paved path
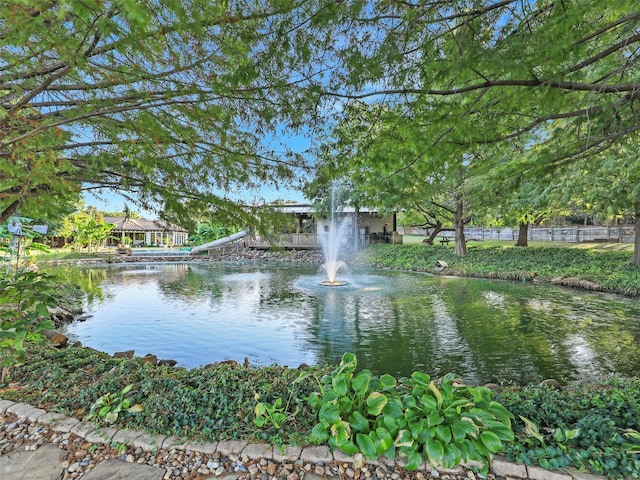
column 47, row 463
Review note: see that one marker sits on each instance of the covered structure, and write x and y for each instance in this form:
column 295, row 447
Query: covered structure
column 141, row 231
column 365, row 225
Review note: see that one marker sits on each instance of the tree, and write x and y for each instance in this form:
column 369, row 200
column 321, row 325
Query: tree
column 511, row 67
column 560, row 75
column 87, row 228
column 384, row 150
column 608, row 185
column 167, row 102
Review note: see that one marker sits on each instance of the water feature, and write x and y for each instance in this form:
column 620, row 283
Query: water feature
column 394, row 322
column 332, row 241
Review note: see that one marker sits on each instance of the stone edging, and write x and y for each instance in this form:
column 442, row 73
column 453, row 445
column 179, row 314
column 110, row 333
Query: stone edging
column 95, row 433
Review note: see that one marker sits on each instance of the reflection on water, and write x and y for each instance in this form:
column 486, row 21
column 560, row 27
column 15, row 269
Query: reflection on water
column 394, row 322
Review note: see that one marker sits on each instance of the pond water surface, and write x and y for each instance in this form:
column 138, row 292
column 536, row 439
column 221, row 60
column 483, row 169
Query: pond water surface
column 394, row 322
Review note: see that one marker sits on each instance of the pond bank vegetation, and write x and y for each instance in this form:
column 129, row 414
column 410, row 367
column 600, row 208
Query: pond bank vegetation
column 595, row 269
column 592, row 427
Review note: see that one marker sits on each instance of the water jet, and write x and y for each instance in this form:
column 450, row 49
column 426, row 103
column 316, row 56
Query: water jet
column 331, row 241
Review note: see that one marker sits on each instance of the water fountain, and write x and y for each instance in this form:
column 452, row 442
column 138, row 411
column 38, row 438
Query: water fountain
column 331, row 242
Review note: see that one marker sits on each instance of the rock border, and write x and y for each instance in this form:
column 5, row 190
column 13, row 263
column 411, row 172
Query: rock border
column 317, row 454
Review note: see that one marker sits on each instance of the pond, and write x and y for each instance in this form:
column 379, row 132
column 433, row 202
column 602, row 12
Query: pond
column 394, row 322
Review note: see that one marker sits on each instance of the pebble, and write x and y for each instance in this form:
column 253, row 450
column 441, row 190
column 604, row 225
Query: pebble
column 180, row 465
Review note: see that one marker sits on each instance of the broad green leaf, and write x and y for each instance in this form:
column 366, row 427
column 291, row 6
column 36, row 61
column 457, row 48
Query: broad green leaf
column 421, row 378
column 462, row 428
column 319, row 434
column 346, row 404
column 393, row 408
column 387, row 382
column 501, row 412
column 359, row 422
column 329, row 414
column 425, row 435
column 366, row 446
column 385, row 440
column 571, row 434
column 360, row 383
column 491, row 441
column 416, row 425
column 443, row 433
column 452, row 456
column 434, row 419
column 340, row 384
column 414, row 460
column 435, row 451
column 376, row 401
column 503, row 432
column 393, row 425
column 409, row 401
column 429, row 402
column 315, row 400
column 347, row 447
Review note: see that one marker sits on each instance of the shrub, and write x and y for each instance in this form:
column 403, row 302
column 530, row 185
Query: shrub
column 24, row 314
column 443, row 422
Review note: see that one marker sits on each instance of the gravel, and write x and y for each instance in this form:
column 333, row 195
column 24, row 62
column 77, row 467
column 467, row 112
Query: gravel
column 19, row 434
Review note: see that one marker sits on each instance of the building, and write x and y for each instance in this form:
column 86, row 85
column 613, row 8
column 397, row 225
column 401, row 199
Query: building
column 364, row 226
column 143, row 232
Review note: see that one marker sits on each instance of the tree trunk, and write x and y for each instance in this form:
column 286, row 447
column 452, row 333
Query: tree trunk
column 636, row 243
column 523, row 233
column 10, row 210
column 436, row 230
column 461, row 243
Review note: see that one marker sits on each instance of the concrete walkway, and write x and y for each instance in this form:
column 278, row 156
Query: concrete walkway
column 47, row 463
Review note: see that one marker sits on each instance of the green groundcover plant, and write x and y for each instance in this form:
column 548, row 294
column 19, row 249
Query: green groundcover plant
column 593, row 428
column 588, row 427
column 610, row 269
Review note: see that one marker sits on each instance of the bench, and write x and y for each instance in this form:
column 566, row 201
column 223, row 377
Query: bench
column 444, row 240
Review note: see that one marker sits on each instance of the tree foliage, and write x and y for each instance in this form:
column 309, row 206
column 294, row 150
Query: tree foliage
column 163, row 101
column 179, row 103
column 528, row 89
